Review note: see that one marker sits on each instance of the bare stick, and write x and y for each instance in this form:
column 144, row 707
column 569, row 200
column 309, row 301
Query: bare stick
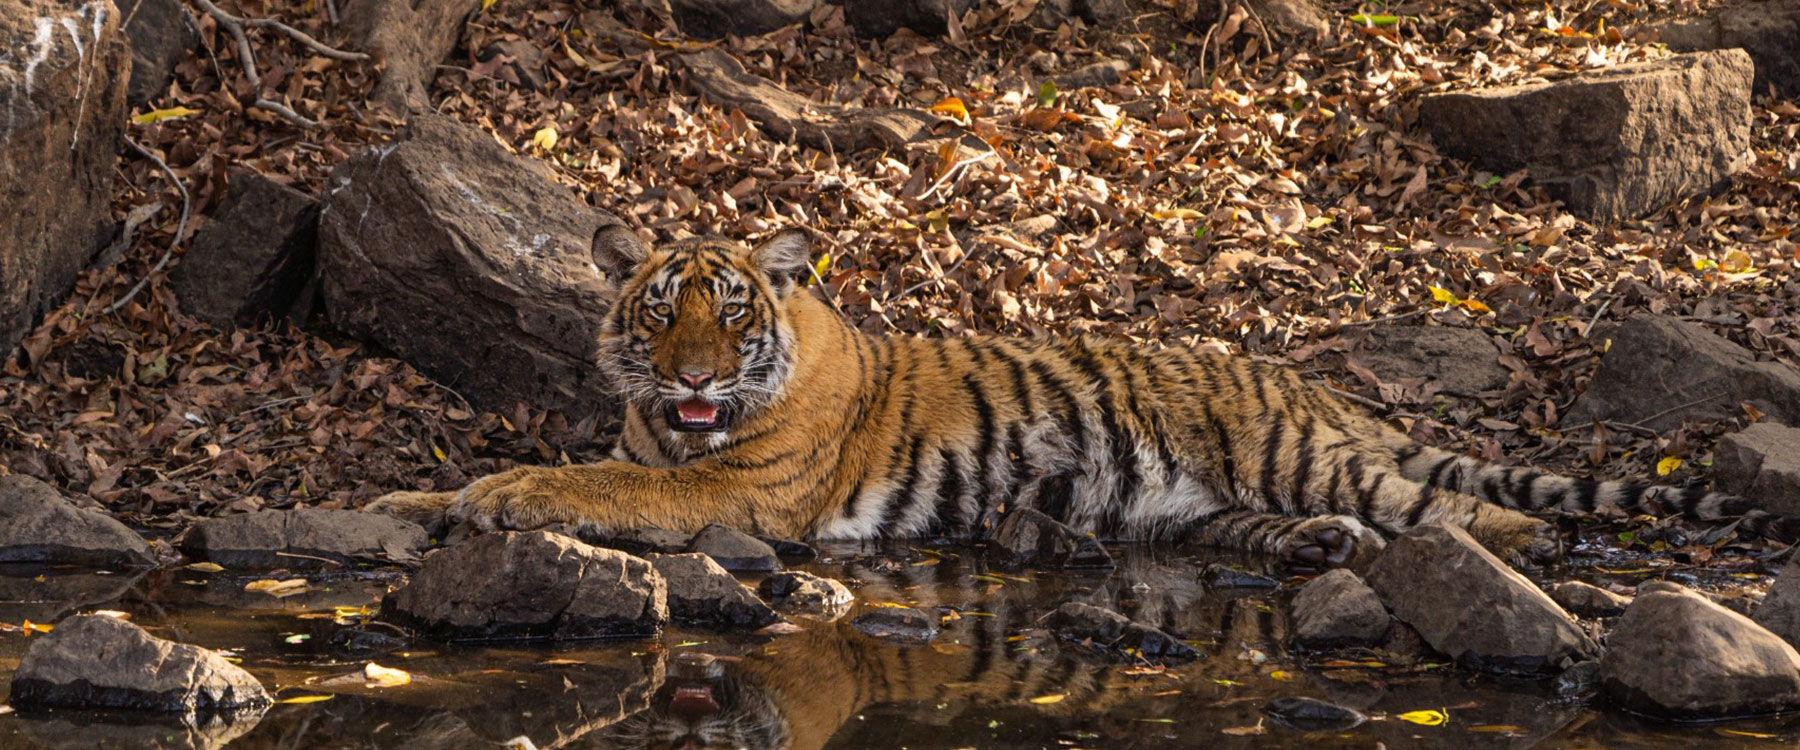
column 180, row 230
column 270, row 23
column 235, row 26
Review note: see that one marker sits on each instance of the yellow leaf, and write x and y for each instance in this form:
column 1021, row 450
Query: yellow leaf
column 1478, row 306
column 1282, row 675
column 158, row 115
column 276, row 588
column 1428, row 718
column 438, row 453
column 1319, row 221
column 1051, row 698
column 1667, row 466
column 309, row 698
column 544, row 139
column 1740, row 733
column 36, row 627
column 205, row 567
column 952, row 107
column 1735, row 261
column 1177, row 213
column 1444, row 295
column 485, row 4
column 819, row 270
column 927, row 562
column 937, row 221
column 380, row 676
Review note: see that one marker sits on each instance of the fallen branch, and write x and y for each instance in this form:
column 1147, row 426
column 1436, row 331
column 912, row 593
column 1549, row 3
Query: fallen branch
column 180, row 229
column 235, row 26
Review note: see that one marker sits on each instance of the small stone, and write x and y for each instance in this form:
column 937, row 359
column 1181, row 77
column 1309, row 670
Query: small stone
column 1580, row 682
column 711, row 19
column 253, row 259
column 97, row 661
column 734, row 550
column 1028, row 537
column 1103, row 73
column 1762, row 461
column 1472, row 607
column 702, row 593
column 1780, row 609
column 1337, row 610
column 38, row 525
column 1588, row 600
column 897, row 623
column 527, row 66
column 1313, row 715
column 1109, row 630
column 299, row 538
column 525, row 585
column 1220, row 576
column 1677, row 655
column 789, row 549
column 880, row 19
column 796, row 590
column 648, row 540
column 1460, row 361
column 1657, row 363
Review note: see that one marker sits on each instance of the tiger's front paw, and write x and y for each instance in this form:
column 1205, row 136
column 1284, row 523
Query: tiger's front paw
column 1331, row 542
column 525, row 498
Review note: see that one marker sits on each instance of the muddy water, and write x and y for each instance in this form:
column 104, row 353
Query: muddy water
column 991, row 680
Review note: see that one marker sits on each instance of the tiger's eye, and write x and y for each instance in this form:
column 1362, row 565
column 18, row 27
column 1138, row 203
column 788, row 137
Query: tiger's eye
column 733, row 309
column 662, row 310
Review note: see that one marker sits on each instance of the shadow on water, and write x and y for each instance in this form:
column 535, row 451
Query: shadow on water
column 992, row 679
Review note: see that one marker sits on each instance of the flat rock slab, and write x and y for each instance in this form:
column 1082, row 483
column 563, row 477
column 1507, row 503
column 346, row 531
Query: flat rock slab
column 530, row 585
column 38, row 525
column 444, row 213
column 794, row 590
column 702, row 593
column 1029, row 537
column 296, row 538
column 1762, row 462
column 1462, row 361
column 253, row 260
column 1661, row 371
column 96, row 661
column 734, row 550
column 1113, row 632
column 1610, row 143
column 1769, row 30
column 1472, row 607
column 1677, row 655
column 1338, row 610
column 1780, row 609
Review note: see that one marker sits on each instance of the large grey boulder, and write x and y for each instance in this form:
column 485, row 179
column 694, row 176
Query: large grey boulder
column 1769, row 30
column 1762, row 462
column 1338, row 610
column 1675, row 654
column 1661, row 371
column 97, row 661
column 62, row 108
column 1470, row 606
column 1780, row 609
column 734, row 550
column 524, row 585
column 1610, row 143
column 38, row 525
column 253, row 259
column 469, row 262
column 305, row 537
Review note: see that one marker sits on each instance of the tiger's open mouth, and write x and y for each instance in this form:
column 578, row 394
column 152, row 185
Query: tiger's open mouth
column 696, row 415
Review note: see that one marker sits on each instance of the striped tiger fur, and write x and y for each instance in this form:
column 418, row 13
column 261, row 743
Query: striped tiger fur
column 751, row 404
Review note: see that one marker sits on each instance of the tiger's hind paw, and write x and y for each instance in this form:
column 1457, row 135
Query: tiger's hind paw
column 427, row 509
column 1330, row 542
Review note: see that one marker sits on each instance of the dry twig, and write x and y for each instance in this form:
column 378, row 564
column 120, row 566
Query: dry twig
column 180, row 229
column 235, row 26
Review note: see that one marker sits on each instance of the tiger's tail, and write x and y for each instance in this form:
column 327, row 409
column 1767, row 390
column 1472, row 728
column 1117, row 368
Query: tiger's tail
column 1529, row 489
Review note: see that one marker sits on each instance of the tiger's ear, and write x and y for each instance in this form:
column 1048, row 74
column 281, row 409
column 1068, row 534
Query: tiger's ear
column 783, row 257
column 618, row 251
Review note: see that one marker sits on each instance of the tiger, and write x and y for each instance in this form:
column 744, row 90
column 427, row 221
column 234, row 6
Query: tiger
column 750, row 402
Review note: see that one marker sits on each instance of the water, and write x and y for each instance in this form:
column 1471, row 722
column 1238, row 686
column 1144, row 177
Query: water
column 991, row 680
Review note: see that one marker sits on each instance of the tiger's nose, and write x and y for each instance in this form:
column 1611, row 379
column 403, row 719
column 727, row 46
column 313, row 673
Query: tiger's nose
column 696, row 379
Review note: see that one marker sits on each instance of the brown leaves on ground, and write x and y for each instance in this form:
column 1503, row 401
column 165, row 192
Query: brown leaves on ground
column 1234, row 191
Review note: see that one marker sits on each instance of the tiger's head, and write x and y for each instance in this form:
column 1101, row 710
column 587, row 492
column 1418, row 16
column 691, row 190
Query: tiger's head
column 698, row 336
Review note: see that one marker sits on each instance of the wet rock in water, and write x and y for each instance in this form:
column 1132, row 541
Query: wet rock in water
column 28, row 592
column 1677, row 655
column 734, row 550
column 1219, row 576
column 443, row 212
column 897, row 623
column 789, row 549
column 702, row 593
column 1657, row 362
column 1762, row 462
column 796, row 590
column 253, row 259
column 96, row 661
column 1579, row 682
column 1767, row 30
column 410, row 37
column 1588, row 600
column 1028, row 537
column 161, row 34
column 294, row 538
column 879, row 19
column 711, row 19
column 1313, row 715
column 1338, row 610
column 646, row 541
column 1461, row 361
column 518, row 585
column 1615, row 142
column 1470, row 606
column 38, row 525
column 135, row 730
column 1110, row 630
column 62, row 110
column 1780, row 610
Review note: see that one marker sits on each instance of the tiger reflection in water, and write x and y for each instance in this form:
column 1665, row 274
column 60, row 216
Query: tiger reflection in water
column 799, row 692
